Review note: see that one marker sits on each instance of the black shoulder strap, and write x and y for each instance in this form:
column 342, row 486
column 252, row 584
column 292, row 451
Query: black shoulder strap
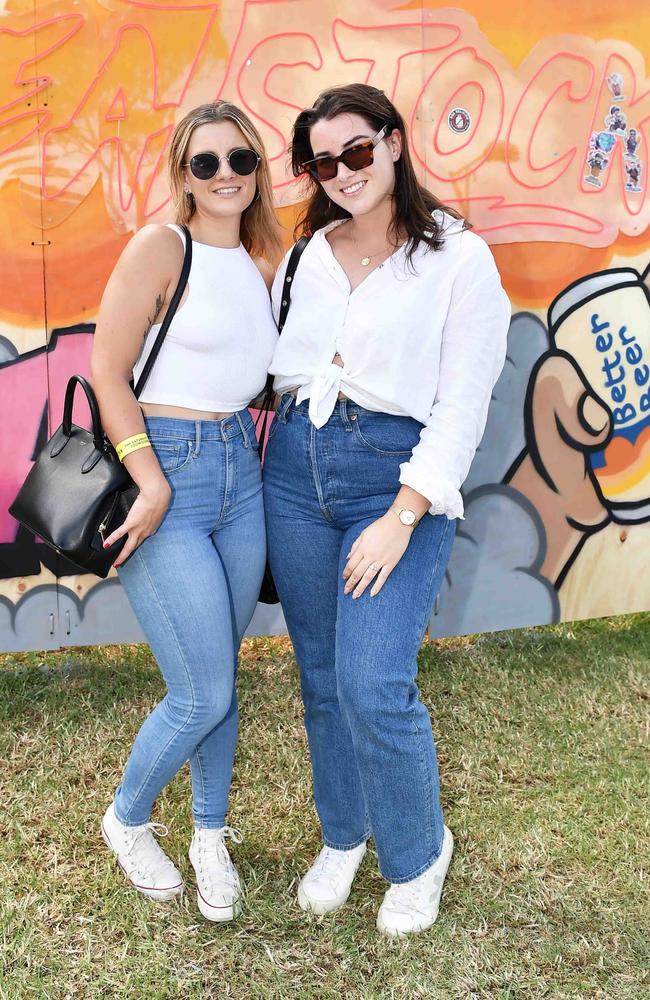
column 285, row 302
column 292, row 266
column 171, row 309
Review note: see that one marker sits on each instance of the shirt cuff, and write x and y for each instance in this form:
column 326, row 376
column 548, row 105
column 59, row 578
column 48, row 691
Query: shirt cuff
column 441, row 494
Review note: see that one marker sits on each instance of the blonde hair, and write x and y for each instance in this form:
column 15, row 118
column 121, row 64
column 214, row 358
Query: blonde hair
column 260, row 230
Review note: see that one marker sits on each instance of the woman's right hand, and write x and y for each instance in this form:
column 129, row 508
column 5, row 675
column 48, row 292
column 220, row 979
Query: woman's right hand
column 143, row 520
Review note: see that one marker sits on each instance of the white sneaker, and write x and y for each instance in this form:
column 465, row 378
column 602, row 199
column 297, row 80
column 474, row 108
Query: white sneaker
column 141, row 858
column 217, row 881
column 413, row 906
column 327, row 884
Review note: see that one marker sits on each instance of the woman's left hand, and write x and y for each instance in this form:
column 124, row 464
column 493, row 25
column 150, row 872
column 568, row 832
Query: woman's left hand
column 375, row 554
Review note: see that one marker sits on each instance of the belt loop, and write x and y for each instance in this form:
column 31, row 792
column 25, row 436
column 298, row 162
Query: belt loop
column 283, row 406
column 244, row 432
column 343, row 410
column 286, row 405
column 197, row 446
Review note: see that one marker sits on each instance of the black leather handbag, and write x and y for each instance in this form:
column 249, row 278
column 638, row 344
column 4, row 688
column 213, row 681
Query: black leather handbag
column 78, row 492
column 268, row 592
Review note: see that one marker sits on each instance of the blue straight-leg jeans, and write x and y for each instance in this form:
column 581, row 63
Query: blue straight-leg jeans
column 372, row 750
column 193, row 586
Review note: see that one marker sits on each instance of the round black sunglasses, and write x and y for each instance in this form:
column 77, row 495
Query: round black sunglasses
column 205, row 165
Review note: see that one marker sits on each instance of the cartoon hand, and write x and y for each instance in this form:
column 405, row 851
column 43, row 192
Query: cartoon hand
column 564, row 422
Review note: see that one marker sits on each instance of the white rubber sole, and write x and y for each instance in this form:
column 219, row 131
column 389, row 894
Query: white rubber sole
column 157, row 895
column 421, row 925
column 319, row 906
column 426, row 921
column 218, row 914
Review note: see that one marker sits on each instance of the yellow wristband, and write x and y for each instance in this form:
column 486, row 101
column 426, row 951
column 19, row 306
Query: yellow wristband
column 130, row 444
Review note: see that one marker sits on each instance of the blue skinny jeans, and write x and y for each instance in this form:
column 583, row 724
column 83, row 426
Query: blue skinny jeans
column 193, row 586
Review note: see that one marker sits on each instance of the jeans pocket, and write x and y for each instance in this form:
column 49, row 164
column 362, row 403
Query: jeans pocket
column 173, row 456
column 385, row 434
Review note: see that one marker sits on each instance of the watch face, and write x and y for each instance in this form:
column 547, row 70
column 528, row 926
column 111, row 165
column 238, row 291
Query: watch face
column 407, row 517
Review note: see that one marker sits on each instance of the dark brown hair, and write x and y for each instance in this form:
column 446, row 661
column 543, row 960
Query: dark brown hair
column 413, row 204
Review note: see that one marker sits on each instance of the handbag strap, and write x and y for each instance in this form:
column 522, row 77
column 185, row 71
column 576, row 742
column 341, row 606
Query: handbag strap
column 173, row 306
column 66, row 426
column 292, row 266
column 285, row 302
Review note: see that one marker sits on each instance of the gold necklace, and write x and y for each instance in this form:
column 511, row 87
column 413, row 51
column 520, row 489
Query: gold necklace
column 367, row 258
column 370, row 256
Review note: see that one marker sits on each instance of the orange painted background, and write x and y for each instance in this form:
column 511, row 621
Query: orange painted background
column 90, row 91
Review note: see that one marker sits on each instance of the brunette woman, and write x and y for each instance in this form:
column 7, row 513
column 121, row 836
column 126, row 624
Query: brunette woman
column 385, row 367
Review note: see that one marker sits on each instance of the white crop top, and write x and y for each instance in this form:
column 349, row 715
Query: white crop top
column 220, row 342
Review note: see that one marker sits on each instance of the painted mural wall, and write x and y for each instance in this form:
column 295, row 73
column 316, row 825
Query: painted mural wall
column 531, row 119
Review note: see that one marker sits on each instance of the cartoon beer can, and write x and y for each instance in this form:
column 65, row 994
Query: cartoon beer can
column 603, row 323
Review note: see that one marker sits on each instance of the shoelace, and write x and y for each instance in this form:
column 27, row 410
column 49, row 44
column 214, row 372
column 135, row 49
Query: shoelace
column 214, row 840
column 329, row 863
column 150, row 844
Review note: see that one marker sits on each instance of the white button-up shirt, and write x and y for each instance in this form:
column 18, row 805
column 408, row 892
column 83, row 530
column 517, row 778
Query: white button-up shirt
column 428, row 345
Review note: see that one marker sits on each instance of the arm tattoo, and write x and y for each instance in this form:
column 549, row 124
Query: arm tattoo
column 157, row 308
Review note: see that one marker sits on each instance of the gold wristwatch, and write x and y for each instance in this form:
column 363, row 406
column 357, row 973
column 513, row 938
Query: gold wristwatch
column 406, row 516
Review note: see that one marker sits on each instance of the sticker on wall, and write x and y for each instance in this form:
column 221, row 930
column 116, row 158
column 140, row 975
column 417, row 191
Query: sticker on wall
column 633, row 171
column 615, row 83
column 631, row 142
column 459, row 120
column 600, row 146
column 616, row 121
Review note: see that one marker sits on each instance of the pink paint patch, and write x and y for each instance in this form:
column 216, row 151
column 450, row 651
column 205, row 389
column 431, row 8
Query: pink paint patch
column 23, row 392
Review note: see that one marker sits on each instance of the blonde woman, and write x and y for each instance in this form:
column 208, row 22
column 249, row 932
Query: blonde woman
column 195, row 550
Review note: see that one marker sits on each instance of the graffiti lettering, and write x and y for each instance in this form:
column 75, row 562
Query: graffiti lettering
column 520, row 164
column 615, row 371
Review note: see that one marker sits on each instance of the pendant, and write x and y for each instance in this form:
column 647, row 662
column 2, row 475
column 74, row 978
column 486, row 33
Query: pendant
column 365, row 261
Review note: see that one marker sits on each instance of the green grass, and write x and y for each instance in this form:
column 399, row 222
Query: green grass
column 543, row 743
